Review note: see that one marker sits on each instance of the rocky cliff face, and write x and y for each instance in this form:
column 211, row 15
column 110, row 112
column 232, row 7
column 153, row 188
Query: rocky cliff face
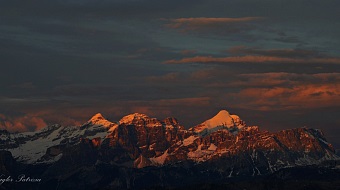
column 138, row 135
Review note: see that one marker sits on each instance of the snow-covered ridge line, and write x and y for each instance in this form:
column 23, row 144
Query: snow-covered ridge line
column 30, row 147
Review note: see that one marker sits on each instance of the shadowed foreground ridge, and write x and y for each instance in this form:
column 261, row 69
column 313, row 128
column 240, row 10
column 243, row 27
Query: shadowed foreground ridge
column 139, row 152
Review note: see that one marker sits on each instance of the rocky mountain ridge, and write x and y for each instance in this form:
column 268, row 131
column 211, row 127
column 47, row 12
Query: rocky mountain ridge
column 157, row 142
column 223, row 145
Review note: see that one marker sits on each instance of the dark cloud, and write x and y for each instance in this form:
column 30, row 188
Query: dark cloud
column 75, row 9
column 188, row 52
column 219, row 26
column 204, row 22
column 63, row 61
column 290, row 39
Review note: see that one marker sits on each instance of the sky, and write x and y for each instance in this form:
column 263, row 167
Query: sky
column 275, row 63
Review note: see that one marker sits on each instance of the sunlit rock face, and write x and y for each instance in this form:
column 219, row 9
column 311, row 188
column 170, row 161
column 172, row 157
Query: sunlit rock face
column 159, row 142
column 223, row 145
column 142, row 135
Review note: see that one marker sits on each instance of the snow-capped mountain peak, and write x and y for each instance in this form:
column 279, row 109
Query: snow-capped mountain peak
column 221, row 120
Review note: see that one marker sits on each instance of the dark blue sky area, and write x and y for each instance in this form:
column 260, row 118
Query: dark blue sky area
column 276, row 63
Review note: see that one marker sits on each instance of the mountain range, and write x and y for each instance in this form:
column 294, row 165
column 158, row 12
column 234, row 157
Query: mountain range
column 140, row 152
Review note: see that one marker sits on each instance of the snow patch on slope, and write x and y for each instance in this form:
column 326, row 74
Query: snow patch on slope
column 33, row 150
column 189, row 140
column 200, row 155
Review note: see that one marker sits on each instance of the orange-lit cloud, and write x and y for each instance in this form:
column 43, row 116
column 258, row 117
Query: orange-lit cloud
column 252, row 59
column 24, row 123
column 291, row 53
column 284, row 98
column 204, row 22
column 276, row 79
column 261, row 91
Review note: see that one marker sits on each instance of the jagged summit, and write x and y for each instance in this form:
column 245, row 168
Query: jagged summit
column 98, row 119
column 221, row 120
column 128, row 119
